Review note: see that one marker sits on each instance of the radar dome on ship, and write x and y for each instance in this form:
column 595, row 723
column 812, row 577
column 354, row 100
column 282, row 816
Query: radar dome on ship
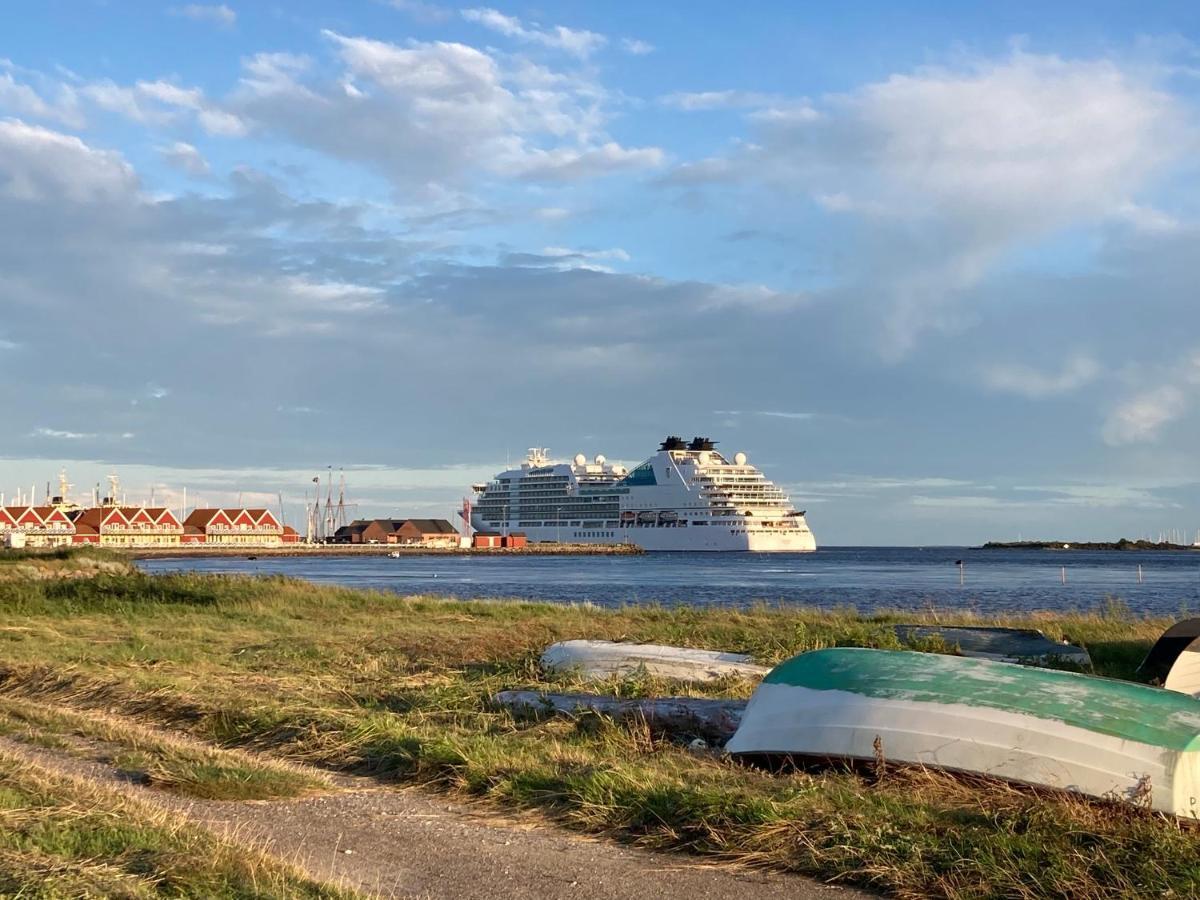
column 600, row 459
column 739, row 459
column 580, row 459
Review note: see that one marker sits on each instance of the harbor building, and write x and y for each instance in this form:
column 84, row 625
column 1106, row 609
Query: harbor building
column 490, row 540
column 35, row 526
column 127, row 526
column 407, row 532
column 232, row 528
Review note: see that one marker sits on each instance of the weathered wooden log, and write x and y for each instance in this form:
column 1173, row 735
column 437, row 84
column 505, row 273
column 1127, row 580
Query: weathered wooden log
column 715, row 720
column 605, row 659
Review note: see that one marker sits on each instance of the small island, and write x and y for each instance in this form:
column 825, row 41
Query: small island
column 1122, row 544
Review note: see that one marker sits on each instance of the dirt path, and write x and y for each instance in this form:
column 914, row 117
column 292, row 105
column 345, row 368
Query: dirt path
column 409, row 843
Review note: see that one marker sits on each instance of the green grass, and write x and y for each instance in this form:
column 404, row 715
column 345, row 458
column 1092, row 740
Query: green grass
column 156, row 758
column 60, row 837
column 59, row 554
column 400, row 687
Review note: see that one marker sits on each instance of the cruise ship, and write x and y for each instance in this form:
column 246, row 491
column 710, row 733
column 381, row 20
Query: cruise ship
column 687, row 497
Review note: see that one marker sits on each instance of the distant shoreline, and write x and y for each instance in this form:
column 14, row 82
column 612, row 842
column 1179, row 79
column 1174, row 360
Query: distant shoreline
column 201, row 552
column 1067, row 546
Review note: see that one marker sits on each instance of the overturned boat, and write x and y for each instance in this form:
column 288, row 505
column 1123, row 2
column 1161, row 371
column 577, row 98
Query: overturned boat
column 594, row 660
column 1184, row 675
column 1166, row 650
column 1019, row 645
column 1063, row 730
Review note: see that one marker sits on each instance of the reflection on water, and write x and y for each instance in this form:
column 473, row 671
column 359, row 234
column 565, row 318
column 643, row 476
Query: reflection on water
column 866, row 577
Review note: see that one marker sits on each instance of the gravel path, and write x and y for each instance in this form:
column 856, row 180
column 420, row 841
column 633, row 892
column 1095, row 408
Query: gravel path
column 409, row 843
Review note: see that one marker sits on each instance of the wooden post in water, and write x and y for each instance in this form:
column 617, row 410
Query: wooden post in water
column 1140, row 573
column 959, row 563
column 1064, row 574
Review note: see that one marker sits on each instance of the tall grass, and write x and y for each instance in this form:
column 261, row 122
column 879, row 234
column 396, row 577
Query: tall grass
column 399, row 688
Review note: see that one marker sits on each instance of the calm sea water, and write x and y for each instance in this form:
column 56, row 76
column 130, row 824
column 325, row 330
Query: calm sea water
column 865, row 577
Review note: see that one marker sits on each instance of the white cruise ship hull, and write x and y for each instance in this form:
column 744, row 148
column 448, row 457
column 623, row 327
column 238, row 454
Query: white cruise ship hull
column 679, row 540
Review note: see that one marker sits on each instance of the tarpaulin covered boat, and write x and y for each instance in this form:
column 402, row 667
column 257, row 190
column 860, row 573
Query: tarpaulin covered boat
column 1023, row 645
column 1064, row 730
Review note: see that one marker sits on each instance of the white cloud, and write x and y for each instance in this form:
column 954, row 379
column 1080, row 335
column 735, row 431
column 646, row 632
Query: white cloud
column 771, row 414
column 1037, row 141
column 221, row 123
column 576, row 42
column 163, row 103
column 186, row 157
column 1105, row 496
column 635, row 47
column 220, row 14
column 868, row 485
column 614, row 253
column 948, row 169
column 426, row 13
column 572, row 163
column 23, row 100
column 704, row 100
column 1013, row 378
column 1148, row 219
column 171, row 94
column 44, row 164
column 428, row 114
column 798, row 416
column 964, row 502
column 566, row 258
column 1142, row 417
column 60, row 434
column 755, row 296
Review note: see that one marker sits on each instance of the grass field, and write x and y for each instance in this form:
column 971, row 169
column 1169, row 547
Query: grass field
column 399, row 688
column 61, row 837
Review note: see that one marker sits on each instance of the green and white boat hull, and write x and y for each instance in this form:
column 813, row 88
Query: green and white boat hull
column 1094, row 736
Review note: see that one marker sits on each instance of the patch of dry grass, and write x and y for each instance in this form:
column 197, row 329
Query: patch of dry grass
column 63, row 837
column 160, row 759
column 399, row 687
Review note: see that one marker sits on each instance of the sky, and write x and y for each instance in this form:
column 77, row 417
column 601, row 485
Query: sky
column 932, row 266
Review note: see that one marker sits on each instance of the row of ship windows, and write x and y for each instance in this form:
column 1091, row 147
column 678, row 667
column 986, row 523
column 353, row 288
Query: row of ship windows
column 680, row 523
column 544, row 513
column 595, row 534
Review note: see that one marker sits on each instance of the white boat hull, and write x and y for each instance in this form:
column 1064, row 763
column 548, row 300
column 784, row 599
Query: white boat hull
column 1011, row 746
column 608, row 659
column 1061, row 730
column 1184, row 676
column 691, row 539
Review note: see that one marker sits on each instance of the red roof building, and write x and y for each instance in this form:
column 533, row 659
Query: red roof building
column 127, row 526
column 42, row 526
column 233, row 528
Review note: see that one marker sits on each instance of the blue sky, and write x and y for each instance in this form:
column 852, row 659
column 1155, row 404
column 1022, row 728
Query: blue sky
column 931, row 265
